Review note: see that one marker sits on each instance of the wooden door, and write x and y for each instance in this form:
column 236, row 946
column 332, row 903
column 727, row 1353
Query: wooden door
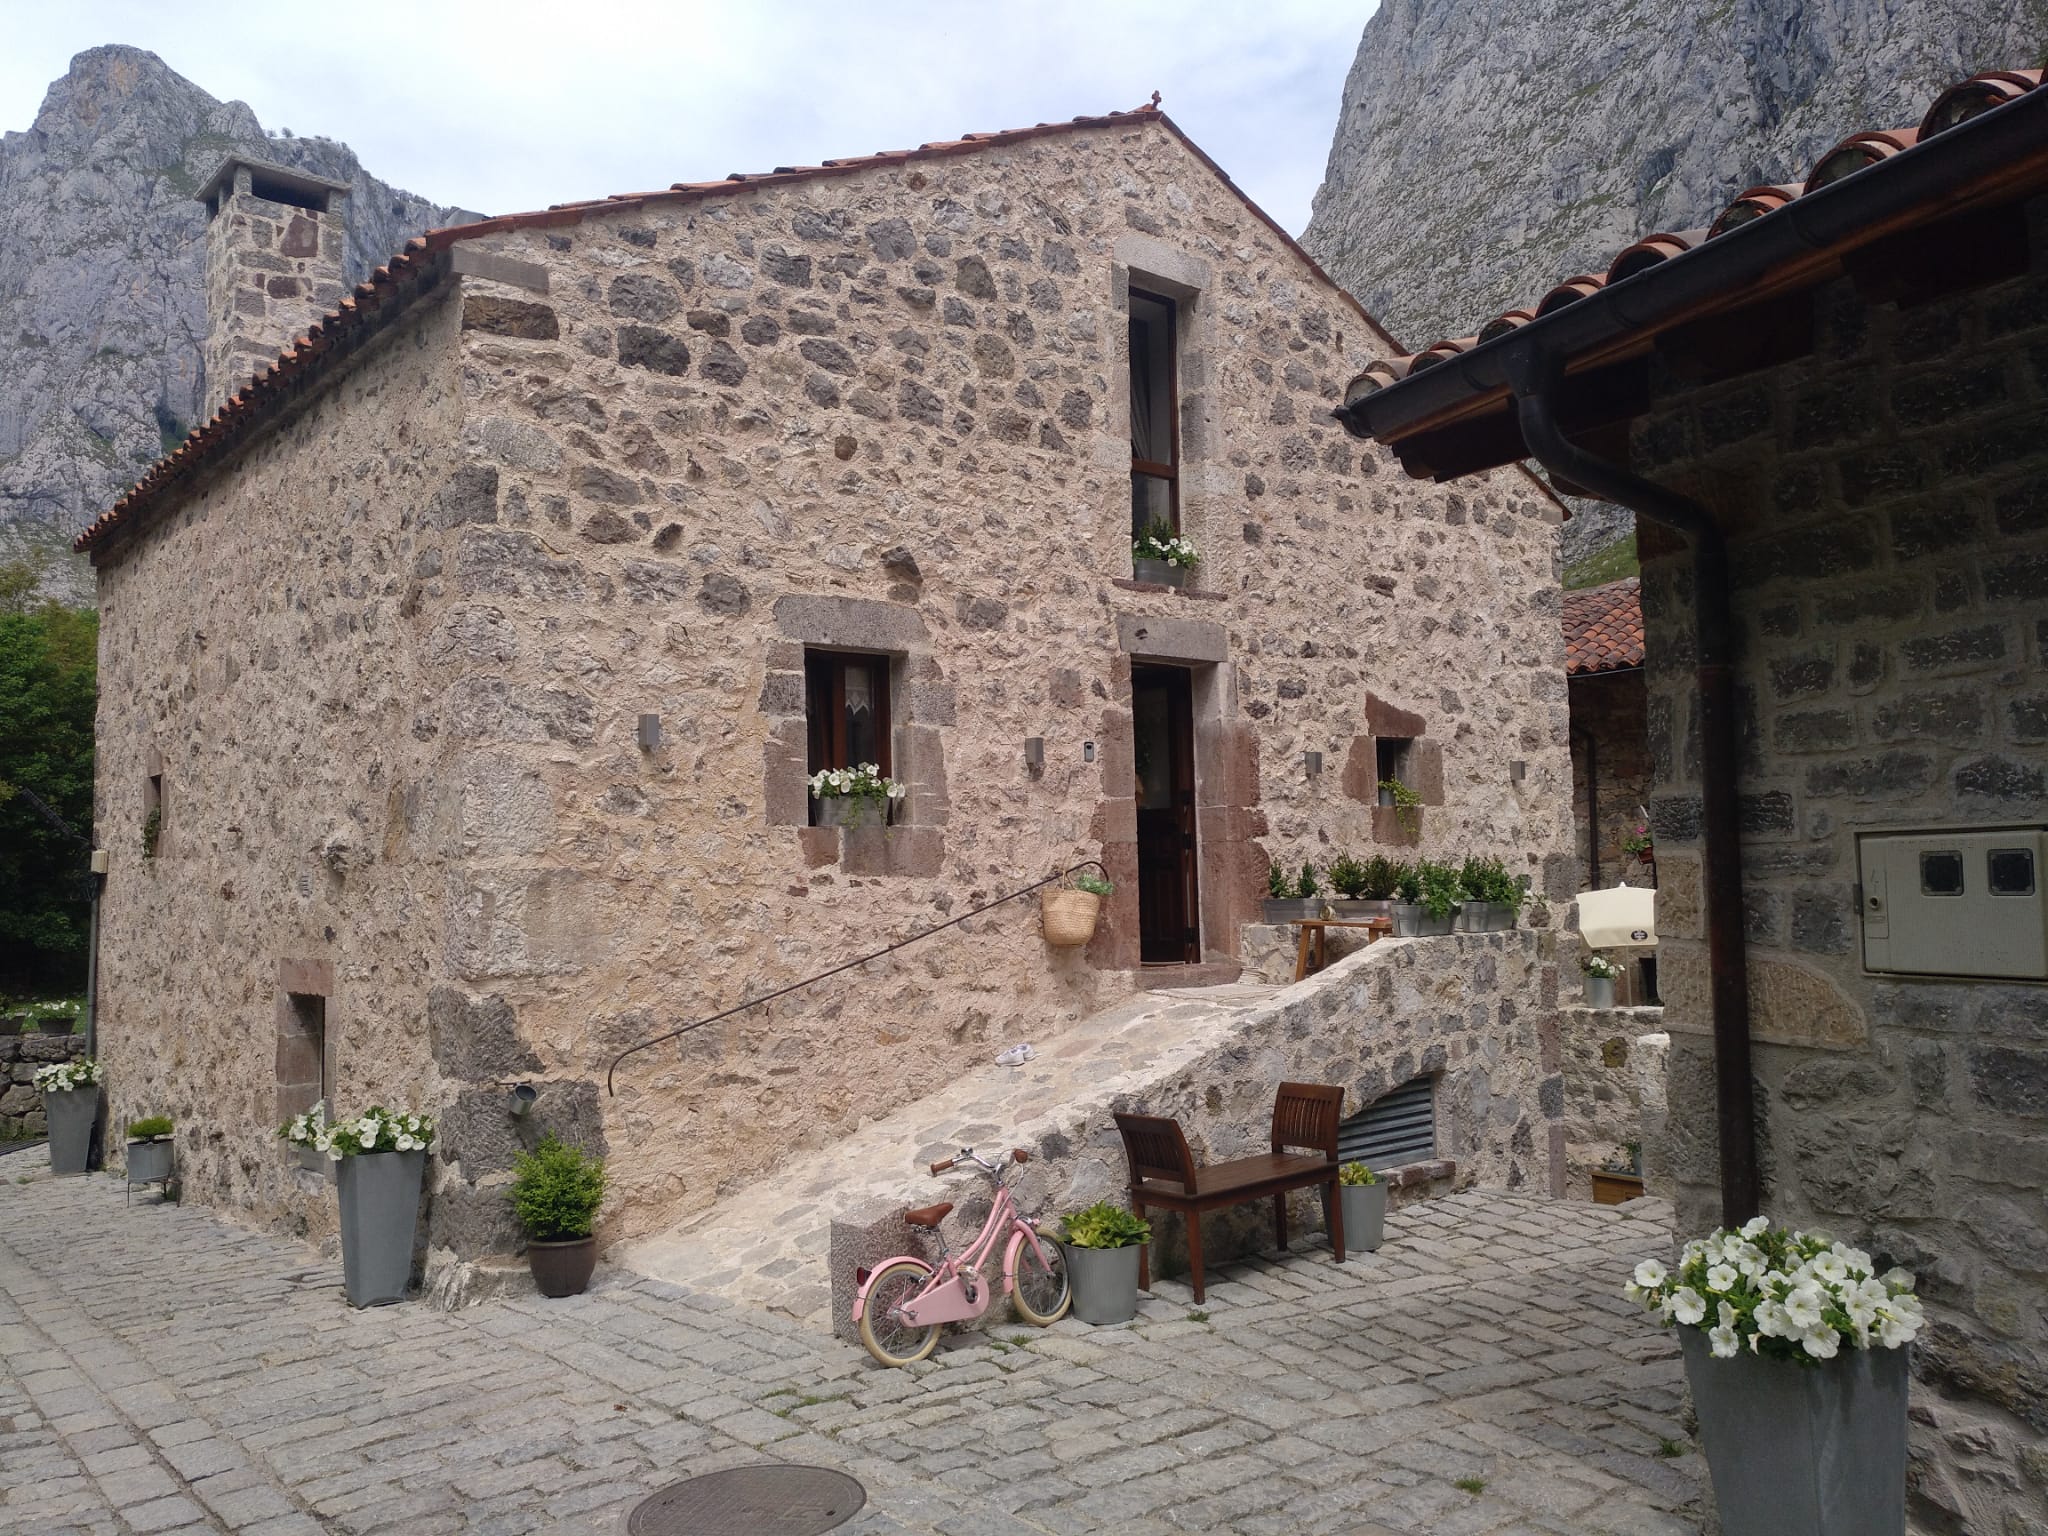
column 1163, row 741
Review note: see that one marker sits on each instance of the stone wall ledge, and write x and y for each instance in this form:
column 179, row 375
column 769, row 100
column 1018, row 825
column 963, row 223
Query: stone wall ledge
column 1159, row 586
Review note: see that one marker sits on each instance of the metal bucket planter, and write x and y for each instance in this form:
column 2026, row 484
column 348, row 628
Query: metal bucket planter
column 1599, row 991
column 852, row 811
column 1803, row 1450
column 1105, row 1283
column 562, row 1269
column 1412, row 921
column 1162, row 572
column 70, row 1114
column 1365, row 1216
column 1068, row 917
column 1291, row 909
column 380, row 1208
column 57, row 1024
column 1360, row 909
column 1485, row 917
column 149, row 1162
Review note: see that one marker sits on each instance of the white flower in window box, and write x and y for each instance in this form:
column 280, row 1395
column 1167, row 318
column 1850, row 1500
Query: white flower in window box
column 1161, row 555
column 853, row 797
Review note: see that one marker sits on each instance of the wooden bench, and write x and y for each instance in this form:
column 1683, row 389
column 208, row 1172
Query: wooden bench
column 1314, row 944
column 1164, row 1175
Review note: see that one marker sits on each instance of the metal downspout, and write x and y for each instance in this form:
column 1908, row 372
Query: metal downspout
column 1533, row 378
column 1592, row 805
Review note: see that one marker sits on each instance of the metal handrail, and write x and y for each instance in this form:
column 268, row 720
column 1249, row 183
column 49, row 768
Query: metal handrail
column 769, row 997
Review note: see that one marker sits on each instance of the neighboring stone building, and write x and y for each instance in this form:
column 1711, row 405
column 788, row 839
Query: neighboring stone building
column 1846, row 384
column 1603, row 663
column 468, row 667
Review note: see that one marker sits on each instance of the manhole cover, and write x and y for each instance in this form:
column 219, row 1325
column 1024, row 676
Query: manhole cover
column 751, row 1501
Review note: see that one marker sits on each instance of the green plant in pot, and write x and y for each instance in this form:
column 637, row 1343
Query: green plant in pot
column 1405, row 802
column 1365, row 886
column 1068, row 913
column 1291, row 898
column 149, row 1150
column 1365, row 1207
column 1102, row 1243
column 1492, row 897
column 556, row 1190
column 380, row 1163
column 1599, row 973
column 1430, row 895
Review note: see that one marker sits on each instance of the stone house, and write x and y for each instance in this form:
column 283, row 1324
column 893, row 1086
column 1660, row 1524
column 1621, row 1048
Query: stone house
column 462, row 676
column 1603, row 664
column 1831, row 413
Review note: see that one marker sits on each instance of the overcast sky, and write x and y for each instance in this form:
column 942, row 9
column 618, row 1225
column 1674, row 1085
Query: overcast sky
column 500, row 105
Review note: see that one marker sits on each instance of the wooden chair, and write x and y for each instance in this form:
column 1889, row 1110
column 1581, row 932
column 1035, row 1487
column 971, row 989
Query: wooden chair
column 1164, row 1175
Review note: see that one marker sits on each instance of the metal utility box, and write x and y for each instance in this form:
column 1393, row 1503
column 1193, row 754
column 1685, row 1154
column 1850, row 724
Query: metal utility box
column 1955, row 902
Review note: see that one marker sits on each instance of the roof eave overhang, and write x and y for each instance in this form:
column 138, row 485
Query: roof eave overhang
column 1993, row 159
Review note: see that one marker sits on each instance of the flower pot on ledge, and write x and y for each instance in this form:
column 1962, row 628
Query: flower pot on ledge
column 1160, row 572
column 562, row 1268
column 1291, row 909
column 851, row 811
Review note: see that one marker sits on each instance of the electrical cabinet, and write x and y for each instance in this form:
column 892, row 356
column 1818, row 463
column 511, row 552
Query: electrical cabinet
column 1955, row 902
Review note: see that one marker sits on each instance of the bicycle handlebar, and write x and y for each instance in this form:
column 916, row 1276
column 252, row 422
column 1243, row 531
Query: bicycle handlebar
column 939, row 1168
column 1017, row 1154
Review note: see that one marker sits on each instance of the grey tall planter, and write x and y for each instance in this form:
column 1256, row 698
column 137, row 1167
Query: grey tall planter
column 1599, row 991
column 1105, row 1283
column 380, row 1207
column 1365, row 1216
column 71, row 1114
column 1803, row 1451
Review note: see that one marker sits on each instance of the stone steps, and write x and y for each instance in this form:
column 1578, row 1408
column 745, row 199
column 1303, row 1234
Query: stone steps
column 767, row 1245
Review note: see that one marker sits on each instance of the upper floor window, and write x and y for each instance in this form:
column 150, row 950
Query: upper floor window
column 1155, row 415
column 846, row 707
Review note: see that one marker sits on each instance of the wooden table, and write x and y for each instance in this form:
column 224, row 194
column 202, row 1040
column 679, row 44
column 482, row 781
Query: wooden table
column 1315, row 939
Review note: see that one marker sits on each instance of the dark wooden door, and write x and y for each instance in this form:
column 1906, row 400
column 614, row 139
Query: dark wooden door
column 1163, row 741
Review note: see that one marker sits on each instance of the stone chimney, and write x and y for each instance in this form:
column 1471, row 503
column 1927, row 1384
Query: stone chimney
column 274, row 244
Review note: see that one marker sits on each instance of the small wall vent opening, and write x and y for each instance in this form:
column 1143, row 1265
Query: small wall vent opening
column 1396, row 1128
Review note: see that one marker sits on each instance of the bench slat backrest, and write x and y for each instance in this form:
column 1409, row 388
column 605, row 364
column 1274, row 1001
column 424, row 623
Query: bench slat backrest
column 1157, row 1149
column 1306, row 1115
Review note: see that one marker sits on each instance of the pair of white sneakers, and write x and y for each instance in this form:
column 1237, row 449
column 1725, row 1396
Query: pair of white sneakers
column 1016, row 1056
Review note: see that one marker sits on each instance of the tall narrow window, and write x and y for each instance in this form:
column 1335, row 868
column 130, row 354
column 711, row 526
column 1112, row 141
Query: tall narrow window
column 152, row 814
column 1155, row 415
column 846, row 706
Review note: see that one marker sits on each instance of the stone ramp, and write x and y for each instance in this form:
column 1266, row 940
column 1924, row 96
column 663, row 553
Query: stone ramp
column 767, row 1245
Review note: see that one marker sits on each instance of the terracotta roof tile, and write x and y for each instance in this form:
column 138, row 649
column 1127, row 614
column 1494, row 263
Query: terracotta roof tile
column 423, row 263
column 1603, row 628
column 1959, row 103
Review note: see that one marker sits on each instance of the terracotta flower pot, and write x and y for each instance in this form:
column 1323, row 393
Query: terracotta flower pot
column 563, row 1268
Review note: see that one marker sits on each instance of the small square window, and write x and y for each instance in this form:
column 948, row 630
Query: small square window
column 1395, row 754
column 1941, row 874
column 2011, row 871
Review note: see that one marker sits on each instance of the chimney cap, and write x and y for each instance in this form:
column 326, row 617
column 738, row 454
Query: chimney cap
column 283, row 176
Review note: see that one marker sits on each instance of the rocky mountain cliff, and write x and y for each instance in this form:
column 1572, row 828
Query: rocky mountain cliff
column 102, row 294
column 1488, row 149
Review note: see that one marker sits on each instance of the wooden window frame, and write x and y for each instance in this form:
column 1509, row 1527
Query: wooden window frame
column 1152, row 469
column 826, row 738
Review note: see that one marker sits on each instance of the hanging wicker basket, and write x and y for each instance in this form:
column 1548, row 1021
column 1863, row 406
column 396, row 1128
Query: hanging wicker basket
column 1069, row 916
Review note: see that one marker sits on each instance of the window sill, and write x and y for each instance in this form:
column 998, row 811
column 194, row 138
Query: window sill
column 1129, row 585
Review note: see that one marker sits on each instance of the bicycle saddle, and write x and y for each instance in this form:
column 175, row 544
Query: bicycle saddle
column 930, row 1215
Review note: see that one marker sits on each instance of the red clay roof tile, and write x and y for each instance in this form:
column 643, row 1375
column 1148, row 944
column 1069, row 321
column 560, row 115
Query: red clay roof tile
column 1603, row 628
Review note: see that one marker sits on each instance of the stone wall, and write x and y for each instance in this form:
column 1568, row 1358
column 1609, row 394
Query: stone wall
column 272, row 269
column 21, row 1057
column 1890, row 542
column 1610, row 733
column 1614, row 1062
column 887, row 412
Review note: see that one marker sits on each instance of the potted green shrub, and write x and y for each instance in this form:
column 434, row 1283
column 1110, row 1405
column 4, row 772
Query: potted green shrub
column 1492, row 896
column 1428, row 904
column 1102, row 1244
column 854, row 797
column 1599, row 974
column 1160, row 555
column 149, row 1150
column 1366, row 886
column 1795, row 1350
column 1365, row 1207
column 1068, row 914
column 380, row 1161
column 1291, row 898
column 71, row 1103
column 555, row 1194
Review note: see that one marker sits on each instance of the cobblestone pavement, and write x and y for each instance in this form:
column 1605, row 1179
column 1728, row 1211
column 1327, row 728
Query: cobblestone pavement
column 162, row 1370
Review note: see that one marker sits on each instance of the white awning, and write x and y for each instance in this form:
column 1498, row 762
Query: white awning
column 1621, row 918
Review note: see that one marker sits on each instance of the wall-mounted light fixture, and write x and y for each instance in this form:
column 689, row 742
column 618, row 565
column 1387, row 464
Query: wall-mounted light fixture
column 1034, row 756
column 523, row 1097
column 1517, row 770
column 1312, row 762
column 650, row 732
column 1087, row 751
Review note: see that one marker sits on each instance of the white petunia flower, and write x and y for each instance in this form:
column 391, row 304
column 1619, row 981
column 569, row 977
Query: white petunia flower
column 1803, row 1307
column 1650, row 1274
column 1687, row 1305
column 1721, row 1278
column 1726, row 1344
column 1755, row 1227
column 1727, row 1314
column 1900, row 1281
column 1821, row 1342
column 1771, row 1321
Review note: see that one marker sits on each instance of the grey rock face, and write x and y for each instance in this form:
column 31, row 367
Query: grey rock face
column 1489, row 149
column 102, row 290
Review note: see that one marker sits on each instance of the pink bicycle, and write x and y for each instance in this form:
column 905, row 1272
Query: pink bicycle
column 903, row 1302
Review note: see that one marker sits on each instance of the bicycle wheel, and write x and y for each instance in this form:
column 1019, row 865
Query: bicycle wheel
column 889, row 1338
column 1042, row 1295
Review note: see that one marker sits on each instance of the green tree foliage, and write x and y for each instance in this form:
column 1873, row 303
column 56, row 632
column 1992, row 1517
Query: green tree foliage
column 48, row 657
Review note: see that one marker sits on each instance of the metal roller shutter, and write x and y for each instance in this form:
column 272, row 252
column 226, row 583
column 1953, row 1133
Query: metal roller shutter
column 1398, row 1128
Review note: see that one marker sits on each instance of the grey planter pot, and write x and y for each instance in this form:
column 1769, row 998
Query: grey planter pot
column 70, row 1115
column 1412, row 921
column 1291, row 909
column 149, row 1162
column 1386, row 799
column 1358, row 910
column 1799, row 1451
column 1599, row 991
column 1105, row 1283
column 1365, row 1216
column 380, row 1207
column 1485, row 917
column 851, row 811
column 1163, row 572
